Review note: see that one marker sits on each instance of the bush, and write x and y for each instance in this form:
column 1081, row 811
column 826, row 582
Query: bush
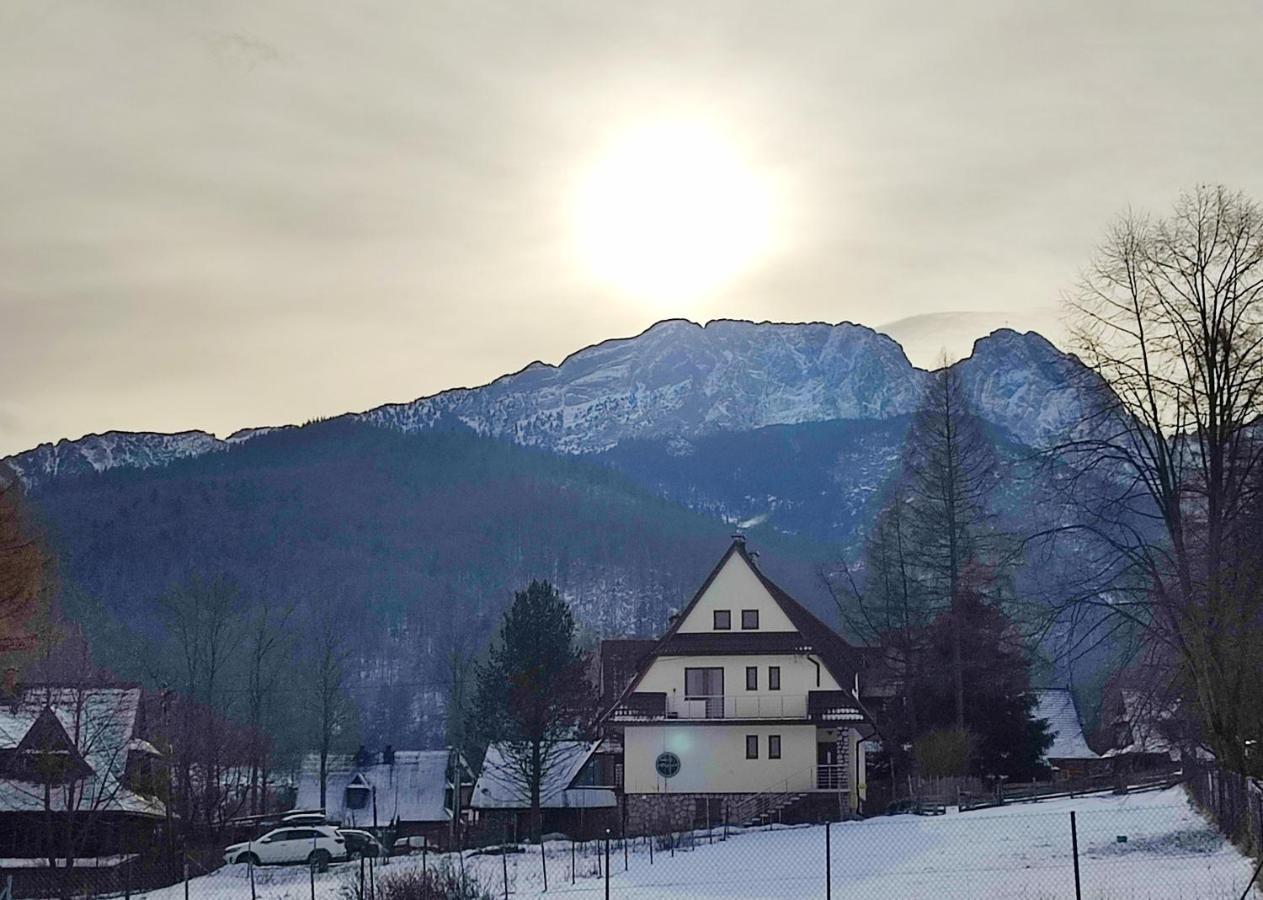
column 439, row 882
column 945, row 753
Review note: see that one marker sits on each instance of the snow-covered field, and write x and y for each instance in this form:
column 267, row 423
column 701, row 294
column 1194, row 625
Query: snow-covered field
column 1021, row 852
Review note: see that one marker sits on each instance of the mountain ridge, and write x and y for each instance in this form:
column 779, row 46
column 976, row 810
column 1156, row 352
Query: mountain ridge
column 677, row 377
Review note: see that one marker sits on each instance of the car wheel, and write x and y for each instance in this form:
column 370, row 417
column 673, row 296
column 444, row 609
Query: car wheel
column 249, row 859
column 319, row 859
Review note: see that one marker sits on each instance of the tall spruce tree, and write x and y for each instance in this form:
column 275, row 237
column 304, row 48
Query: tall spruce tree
column 949, row 467
column 532, row 695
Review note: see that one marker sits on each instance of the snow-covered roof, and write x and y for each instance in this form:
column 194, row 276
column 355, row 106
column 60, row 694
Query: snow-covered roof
column 411, row 789
column 1057, row 706
column 1144, row 716
column 499, row 788
column 101, row 723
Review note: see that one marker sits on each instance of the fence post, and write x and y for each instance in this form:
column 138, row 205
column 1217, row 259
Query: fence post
column 361, row 894
column 1074, row 846
column 572, row 861
column 543, row 861
column 504, row 862
column 651, row 849
column 250, row 870
column 607, row 864
column 186, row 876
column 425, row 857
column 828, row 861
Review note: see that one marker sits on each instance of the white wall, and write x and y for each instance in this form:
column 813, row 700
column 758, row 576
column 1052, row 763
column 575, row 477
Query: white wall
column 736, row 588
column 713, row 759
column 798, row 677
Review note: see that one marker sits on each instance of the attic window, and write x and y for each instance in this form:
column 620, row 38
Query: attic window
column 750, row 619
column 723, row 620
column 358, row 793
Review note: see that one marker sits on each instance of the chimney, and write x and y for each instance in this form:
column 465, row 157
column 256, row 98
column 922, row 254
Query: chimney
column 739, row 537
column 388, row 756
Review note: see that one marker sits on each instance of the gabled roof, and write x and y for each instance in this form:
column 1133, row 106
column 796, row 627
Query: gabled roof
column 814, row 636
column 411, row 789
column 1058, row 707
column 498, row 788
column 100, row 724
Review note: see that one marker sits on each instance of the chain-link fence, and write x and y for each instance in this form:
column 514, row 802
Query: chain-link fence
column 1153, row 845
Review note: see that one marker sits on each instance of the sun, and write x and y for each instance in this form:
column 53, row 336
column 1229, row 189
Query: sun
column 671, row 213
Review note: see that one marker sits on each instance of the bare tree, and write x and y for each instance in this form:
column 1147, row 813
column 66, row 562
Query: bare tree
column 204, row 626
column 329, row 702
column 1169, row 319
column 266, row 646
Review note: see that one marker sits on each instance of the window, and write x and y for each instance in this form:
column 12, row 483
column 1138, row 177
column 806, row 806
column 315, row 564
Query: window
column 752, row 678
column 773, row 678
column 752, row 746
column 723, row 620
column 749, row 619
column 703, row 683
column 773, row 746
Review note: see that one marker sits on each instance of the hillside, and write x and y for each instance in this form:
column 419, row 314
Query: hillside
column 416, row 540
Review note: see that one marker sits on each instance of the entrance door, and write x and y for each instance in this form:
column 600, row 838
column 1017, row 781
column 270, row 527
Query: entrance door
column 828, row 768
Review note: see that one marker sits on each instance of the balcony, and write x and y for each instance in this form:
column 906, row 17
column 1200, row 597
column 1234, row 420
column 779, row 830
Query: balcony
column 816, row 706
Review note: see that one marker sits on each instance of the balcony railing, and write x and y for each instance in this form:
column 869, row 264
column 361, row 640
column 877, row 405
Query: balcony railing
column 831, row 777
column 817, row 706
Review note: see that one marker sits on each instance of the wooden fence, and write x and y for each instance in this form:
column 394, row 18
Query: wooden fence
column 1234, row 802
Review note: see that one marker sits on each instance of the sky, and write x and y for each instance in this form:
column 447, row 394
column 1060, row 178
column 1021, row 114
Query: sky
column 239, row 214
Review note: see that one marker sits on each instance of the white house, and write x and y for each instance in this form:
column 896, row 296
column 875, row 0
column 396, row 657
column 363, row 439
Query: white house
column 746, row 694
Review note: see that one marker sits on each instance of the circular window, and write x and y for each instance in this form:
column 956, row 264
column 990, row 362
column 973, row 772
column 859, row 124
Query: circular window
column 667, row 765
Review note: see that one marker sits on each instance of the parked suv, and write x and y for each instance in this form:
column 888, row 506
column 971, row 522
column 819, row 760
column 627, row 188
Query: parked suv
column 361, row 843
column 316, row 845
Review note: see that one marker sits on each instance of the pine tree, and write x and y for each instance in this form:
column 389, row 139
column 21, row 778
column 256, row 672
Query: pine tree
column 532, row 694
column 1005, row 738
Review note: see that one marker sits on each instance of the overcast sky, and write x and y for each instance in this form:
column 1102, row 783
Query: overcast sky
column 217, row 215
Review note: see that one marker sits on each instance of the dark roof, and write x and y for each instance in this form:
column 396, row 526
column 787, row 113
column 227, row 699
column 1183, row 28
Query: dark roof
column 620, row 660
column 814, row 636
column 838, row 656
column 692, row 643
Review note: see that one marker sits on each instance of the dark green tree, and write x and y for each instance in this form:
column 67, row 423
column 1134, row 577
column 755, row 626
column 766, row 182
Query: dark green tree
column 532, row 694
column 1006, row 739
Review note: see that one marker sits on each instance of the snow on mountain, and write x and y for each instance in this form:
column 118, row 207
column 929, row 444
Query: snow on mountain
column 682, row 378
column 1023, row 383
column 679, row 380
column 114, row 449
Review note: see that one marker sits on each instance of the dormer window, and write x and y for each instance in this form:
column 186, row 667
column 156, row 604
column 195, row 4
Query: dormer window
column 723, row 620
column 358, row 793
column 749, row 619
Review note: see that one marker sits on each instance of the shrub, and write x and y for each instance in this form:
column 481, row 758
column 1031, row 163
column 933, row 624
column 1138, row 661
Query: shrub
column 944, row 753
column 440, row 882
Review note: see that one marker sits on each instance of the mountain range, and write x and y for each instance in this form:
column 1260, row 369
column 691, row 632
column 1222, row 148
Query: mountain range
column 617, row 474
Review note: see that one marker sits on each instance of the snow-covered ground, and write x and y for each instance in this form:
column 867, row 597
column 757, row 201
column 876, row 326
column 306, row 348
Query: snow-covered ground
column 1021, row 852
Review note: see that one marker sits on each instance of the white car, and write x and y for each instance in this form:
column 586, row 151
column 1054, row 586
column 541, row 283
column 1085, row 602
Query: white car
column 316, row 845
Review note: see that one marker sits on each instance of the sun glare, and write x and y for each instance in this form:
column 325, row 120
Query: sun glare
column 671, row 213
